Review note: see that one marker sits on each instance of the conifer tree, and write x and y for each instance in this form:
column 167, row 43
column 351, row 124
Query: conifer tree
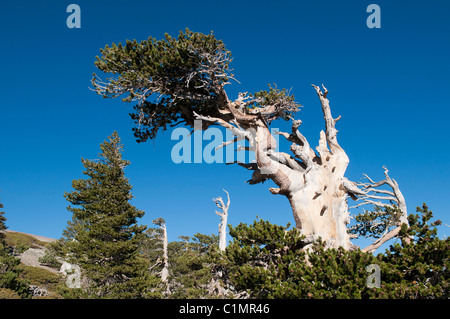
column 9, row 265
column 106, row 236
column 417, row 268
column 191, row 266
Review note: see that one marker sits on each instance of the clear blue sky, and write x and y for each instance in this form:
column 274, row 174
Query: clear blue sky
column 389, row 85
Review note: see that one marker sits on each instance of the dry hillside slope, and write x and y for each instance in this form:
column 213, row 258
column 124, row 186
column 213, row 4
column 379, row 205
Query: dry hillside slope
column 36, row 250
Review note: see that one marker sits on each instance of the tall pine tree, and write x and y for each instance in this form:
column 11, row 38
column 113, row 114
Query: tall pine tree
column 104, row 227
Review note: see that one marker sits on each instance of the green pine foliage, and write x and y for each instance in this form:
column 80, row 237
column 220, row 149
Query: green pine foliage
column 11, row 284
column 190, row 264
column 104, row 227
column 418, row 267
column 10, row 271
column 190, row 267
column 151, row 249
column 169, row 67
column 269, row 261
column 377, row 222
column 173, row 77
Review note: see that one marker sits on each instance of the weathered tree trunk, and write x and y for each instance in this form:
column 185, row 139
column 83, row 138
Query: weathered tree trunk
column 165, row 271
column 315, row 187
column 223, row 220
column 314, row 183
column 320, row 210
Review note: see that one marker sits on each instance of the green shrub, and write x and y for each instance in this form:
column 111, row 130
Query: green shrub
column 40, row 277
column 267, row 261
column 49, row 261
column 10, row 275
column 21, row 247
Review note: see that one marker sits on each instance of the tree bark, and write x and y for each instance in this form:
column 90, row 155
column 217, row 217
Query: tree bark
column 320, row 209
column 316, row 188
column 165, row 270
column 314, row 183
column 223, row 220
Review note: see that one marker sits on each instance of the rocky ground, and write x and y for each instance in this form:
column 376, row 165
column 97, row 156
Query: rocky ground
column 31, row 256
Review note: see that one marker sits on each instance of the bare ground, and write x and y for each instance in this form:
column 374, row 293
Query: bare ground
column 31, row 256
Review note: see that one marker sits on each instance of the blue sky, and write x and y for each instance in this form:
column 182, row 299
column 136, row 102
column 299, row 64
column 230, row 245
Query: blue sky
column 388, row 84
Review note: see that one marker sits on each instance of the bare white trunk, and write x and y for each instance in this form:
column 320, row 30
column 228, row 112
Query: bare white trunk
column 316, row 187
column 320, row 210
column 165, row 271
column 312, row 180
column 223, row 220
column 318, row 198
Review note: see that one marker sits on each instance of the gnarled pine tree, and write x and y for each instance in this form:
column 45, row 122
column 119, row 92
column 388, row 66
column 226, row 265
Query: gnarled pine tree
column 180, row 80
